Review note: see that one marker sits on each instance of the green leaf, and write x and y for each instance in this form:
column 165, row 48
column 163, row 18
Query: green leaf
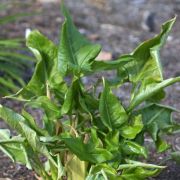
column 60, row 167
column 6, row 137
column 139, row 173
column 101, row 175
column 68, row 101
column 111, row 65
column 32, row 124
column 56, row 171
column 176, row 156
column 50, row 108
column 46, row 67
column 75, row 52
column 11, row 73
column 146, row 65
column 71, row 97
column 147, row 91
column 161, row 145
column 96, row 172
column 134, row 164
column 91, row 101
column 112, row 141
column 14, row 17
column 11, row 118
column 18, row 123
column 137, row 170
column 33, row 139
column 157, row 117
column 75, row 99
column 130, row 147
column 5, row 133
column 8, row 83
column 14, row 148
column 157, row 97
column 112, row 113
column 13, row 65
column 145, row 70
column 76, row 168
column 131, row 131
column 87, row 152
column 20, row 58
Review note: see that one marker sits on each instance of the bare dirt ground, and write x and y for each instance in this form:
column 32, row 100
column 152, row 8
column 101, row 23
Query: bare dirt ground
column 119, row 26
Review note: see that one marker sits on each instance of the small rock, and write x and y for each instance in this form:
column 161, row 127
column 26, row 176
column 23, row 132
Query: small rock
column 149, row 21
column 93, row 37
column 106, row 56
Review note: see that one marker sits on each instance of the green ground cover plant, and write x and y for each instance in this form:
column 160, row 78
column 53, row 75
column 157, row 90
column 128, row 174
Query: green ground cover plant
column 13, row 65
column 13, row 57
column 86, row 134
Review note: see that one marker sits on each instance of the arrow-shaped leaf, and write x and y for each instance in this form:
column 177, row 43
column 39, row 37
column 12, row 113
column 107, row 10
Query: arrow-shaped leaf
column 75, row 52
column 112, row 113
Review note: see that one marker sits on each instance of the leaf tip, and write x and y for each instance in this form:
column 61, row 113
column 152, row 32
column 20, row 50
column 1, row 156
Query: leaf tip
column 64, row 10
column 104, row 81
column 169, row 24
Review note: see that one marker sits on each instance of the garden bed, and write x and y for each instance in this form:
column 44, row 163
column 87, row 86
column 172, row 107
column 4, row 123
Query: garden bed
column 115, row 30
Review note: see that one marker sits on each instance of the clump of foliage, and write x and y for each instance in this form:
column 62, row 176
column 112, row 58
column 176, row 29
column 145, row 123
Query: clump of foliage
column 85, row 134
column 13, row 65
column 13, row 58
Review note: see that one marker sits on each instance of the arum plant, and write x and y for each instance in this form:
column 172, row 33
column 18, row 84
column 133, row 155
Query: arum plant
column 86, row 134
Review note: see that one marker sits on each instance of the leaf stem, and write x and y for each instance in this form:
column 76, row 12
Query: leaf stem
column 48, row 94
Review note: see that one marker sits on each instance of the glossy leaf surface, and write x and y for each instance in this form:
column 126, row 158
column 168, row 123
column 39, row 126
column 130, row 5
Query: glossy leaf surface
column 112, row 113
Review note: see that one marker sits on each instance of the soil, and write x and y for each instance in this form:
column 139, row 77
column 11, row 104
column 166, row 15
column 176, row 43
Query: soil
column 119, row 26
